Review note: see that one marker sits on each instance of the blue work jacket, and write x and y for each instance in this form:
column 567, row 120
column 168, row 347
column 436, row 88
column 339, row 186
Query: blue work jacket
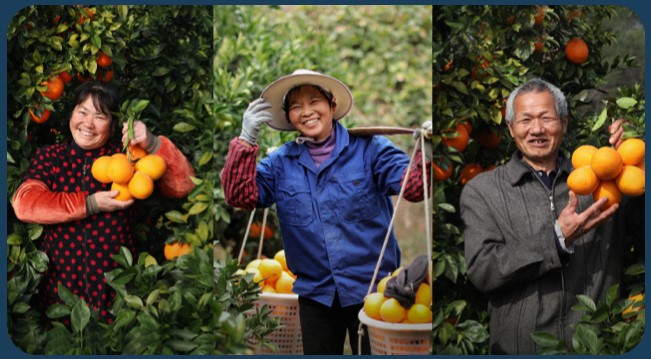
column 334, row 218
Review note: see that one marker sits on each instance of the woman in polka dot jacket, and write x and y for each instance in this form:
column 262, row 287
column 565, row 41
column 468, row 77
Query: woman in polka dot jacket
column 83, row 223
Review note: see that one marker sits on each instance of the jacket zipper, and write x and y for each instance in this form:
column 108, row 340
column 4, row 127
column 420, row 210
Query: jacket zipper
column 85, row 261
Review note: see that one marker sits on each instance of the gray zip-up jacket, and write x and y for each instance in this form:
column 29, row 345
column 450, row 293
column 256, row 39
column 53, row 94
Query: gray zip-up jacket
column 511, row 254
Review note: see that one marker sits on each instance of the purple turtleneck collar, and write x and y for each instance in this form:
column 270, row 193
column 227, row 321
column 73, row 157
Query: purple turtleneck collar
column 321, row 151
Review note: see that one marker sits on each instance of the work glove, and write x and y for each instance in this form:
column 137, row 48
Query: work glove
column 254, row 116
column 403, row 287
column 426, row 129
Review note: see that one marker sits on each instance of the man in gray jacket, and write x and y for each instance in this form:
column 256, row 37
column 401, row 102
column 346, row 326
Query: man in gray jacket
column 531, row 244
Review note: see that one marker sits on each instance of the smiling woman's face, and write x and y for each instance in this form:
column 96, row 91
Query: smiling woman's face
column 90, row 128
column 310, row 112
column 537, row 130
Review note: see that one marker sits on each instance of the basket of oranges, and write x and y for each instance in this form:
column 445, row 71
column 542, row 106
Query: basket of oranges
column 276, row 282
column 395, row 329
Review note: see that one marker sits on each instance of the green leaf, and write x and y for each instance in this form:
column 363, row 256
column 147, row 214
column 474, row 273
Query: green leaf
column 34, row 231
column 176, row 217
column 139, row 105
column 612, row 294
column 600, row 120
column 124, row 318
column 447, row 207
column 198, row 208
column 183, row 127
column 127, row 255
column 205, row 158
column 587, row 301
column 626, row 102
column 635, row 269
column 80, row 316
column 57, row 310
column 66, row 295
column 588, row 338
column 14, row 240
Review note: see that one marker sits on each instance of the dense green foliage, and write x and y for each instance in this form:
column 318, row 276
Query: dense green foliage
column 481, row 53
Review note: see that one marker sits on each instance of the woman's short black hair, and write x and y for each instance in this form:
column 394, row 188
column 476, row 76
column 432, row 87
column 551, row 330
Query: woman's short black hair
column 105, row 99
column 327, row 94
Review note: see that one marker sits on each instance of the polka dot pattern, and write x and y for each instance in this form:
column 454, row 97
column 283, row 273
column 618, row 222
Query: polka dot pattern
column 80, row 251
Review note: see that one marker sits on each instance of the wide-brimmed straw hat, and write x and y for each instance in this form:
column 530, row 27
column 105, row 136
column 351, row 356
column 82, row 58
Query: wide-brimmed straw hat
column 276, row 91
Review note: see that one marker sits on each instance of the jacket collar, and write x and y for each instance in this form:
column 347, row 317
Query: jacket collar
column 516, row 168
column 342, row 139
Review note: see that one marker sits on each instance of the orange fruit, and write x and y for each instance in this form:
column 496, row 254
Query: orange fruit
column 576, row 51
column 257, row 277
column 469, row 171
column 268, row 289
column 104, row 60
column 489, row 138
column 443, row 172
column 135, row 152
column 382, row 284
column 478, row 69
column 285, row 284
column 140, row 185
column 123, row 189
column 540, row 16
column 372, row 305
column 391, row 311
column 631, row 181
column 39, row 119
column 424, row 294
column 457, row 138
column 90, row 15
column 104, row 75
column 54, row 88
column 583, row 180
column 609, row 190
column 467, row 126
column 65, row 77
column 582, row 155
column 419, row 313
column 641, row 165
column 99, row 170
column 270, row 269
column 632, row 151
column 606, row 163
column 280, row 257
column 538, row 46
column 176, row 249
column 120, row 169
column 81, row 78
column 256, row 229
column 153, row 165
column 253, row 264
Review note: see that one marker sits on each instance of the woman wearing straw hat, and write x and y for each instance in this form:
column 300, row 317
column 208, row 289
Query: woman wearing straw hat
column 332, row 191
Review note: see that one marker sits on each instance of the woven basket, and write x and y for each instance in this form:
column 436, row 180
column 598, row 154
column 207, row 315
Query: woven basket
column 397, row 338
column 288, row 336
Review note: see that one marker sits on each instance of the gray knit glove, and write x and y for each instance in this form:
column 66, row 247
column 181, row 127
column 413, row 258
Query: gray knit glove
column 254, row 116
column 426, row 129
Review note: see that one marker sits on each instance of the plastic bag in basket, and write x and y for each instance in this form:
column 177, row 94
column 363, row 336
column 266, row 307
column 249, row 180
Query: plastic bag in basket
column 403, row 287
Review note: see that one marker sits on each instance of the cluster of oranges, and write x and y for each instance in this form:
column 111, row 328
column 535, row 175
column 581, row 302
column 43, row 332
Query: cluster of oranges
column 610, row 173
column 388, row 309
column 129, row 179
column 271, row 274
column 176, row 249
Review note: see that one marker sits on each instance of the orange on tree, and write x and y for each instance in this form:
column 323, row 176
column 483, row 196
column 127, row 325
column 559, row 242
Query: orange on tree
column 88, row 11
column 123, row 191
column 391, row 311
column 607, row 189
column 99, row 169
column 65, row 77
column 630, row 181
column 105, row 75
column 443, row 172
column 419, row 313
column 35, row 115
column 140, row 185
column 606, row 163
column 153, row 165
column 457, row 138
column 631, row 151
column 582, row 155
column 467, row 126
column 176, row 249
column 55, row 88
column 469, row 171
column 479, row 69
column 256, row 230
column 120, row 169
column 104, row 60
column 576, row 51
column 538, row 46
column 372, row 304
column 583, row 180
column 540, row 16
column 489, row 138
